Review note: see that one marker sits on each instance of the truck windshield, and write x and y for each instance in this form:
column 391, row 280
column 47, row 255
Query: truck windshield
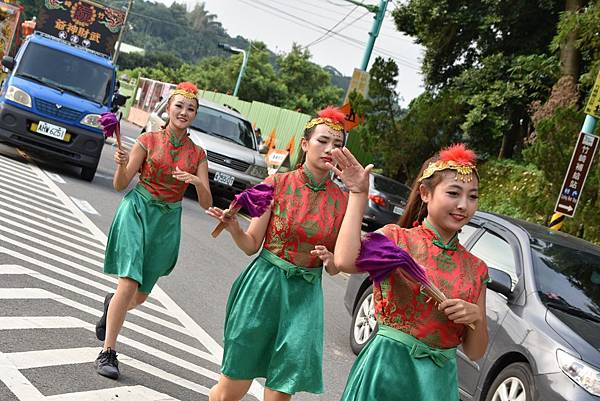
column 66, row 72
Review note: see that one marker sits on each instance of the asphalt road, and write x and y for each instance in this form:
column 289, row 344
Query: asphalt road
column 53, row 228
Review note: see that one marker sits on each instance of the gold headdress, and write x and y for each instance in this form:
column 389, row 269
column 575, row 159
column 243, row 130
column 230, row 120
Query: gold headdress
column 456, row 157
column 329, row 116
column 186, row 89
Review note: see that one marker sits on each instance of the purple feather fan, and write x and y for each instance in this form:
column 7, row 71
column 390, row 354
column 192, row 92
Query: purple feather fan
column 111, row 127
column 255, row 200
column 379, row 257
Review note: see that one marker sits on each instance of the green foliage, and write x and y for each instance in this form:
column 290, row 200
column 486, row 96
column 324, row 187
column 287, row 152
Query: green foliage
column 517, row 190
column 458, row 34
column 586, row 23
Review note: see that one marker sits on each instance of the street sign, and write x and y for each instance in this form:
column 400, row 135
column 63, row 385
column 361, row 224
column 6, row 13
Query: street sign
column 358, row 83
column 82, row 23
column 352, row 119
column 593, row 105
column 579, row 167
column 275, row 160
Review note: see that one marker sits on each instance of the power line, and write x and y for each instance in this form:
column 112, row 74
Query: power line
column 330, row 29
column 341, row 29
column 311, row 25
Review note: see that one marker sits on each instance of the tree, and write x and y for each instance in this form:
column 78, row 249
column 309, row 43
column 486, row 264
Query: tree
column 308, row 85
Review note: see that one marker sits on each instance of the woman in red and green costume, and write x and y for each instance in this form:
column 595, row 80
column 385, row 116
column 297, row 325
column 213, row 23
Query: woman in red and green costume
column 413, row 355
column 274, row 318
column 143, row 241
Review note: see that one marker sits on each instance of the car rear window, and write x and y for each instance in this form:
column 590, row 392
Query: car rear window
column 390, row 186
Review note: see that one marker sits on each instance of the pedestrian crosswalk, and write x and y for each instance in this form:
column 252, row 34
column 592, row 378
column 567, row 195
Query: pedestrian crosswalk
column 51, row 293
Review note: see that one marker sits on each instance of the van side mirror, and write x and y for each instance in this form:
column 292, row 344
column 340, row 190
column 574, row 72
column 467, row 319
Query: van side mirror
column 500, row 282
column 8, row 62
column 263, row 149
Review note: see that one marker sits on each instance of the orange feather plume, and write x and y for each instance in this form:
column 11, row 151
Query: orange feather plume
column 459, row 154
column 188, row 87
column 332, row 113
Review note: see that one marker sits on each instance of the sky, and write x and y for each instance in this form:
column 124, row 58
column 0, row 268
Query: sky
column 280, row 23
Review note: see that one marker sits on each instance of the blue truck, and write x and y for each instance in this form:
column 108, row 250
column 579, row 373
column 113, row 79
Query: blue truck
column 56, row 89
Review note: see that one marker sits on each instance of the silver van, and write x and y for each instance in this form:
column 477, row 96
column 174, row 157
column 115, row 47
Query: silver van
column 235, row 160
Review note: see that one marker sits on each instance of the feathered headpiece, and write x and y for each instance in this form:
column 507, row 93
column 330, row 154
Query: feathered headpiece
column 455, row 157
column 330, row 116
column 186, row 89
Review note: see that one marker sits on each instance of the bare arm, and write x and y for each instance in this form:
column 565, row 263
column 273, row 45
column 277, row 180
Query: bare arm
column 202, row 187
column 356, row 179
column 128, row 165
column 347, row 245
column 475, row 341
column 249, row 241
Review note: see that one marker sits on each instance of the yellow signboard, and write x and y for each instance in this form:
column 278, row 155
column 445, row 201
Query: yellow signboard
column 359, row 83
column 593, row 104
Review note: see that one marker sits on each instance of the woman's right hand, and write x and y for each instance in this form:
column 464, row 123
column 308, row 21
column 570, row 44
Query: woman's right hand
column 230, row 222
column 350, row 171
column 121, row 157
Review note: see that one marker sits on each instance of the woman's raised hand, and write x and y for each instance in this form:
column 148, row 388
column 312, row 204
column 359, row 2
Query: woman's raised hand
column 350, row 171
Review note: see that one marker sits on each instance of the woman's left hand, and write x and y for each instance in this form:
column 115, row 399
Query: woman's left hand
column 461, row 312
column 186, row 177
column 327, row 257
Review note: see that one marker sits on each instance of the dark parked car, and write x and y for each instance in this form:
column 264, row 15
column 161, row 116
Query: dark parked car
column 543, row 310
column 387, row 198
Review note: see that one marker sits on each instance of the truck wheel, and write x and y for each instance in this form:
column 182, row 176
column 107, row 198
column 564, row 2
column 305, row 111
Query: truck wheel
column 88, row 173
column 514, row 383
column 364, row 325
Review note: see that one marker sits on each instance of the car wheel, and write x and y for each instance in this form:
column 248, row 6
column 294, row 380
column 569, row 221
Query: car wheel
column 88, row 173
column 364, row 324
column 514, row 383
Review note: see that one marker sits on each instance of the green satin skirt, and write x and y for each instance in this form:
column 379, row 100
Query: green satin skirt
column 143, row 241
column 395, row 366
column 274, row 326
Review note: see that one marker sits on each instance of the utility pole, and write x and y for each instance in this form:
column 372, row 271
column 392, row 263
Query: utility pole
column 379, row 12
column 123, row 28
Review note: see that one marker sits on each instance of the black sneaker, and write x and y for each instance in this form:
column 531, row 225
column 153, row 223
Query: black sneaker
column 101, row 325
column 107, row 364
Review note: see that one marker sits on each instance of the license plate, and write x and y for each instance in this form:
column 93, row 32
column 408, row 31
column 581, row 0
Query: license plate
column 398, row 210
column 51, row 130
column 225, row 179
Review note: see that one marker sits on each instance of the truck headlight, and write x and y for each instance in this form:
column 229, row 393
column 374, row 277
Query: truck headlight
column 18, row 96
column 580, row 372
column 92, row 120
column 257, row 171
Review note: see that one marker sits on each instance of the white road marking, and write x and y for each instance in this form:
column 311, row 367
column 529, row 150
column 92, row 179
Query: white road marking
column 85, row 206
column 28, row 225
column 56, row 178
column 124, row 393
column 17, row 383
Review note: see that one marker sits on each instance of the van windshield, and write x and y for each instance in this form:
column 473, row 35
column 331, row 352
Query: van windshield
column 66, row 73
column 224, row 126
